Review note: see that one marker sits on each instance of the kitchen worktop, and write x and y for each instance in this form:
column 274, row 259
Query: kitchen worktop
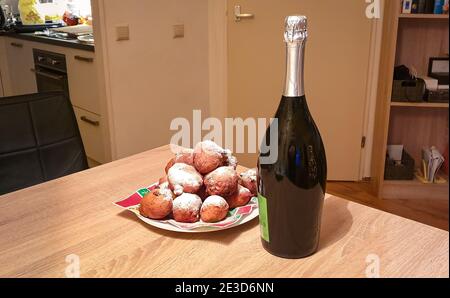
column 75, row 216
column 73, row 43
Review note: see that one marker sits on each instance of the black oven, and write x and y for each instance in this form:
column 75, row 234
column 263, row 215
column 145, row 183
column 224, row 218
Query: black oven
column 51, row 71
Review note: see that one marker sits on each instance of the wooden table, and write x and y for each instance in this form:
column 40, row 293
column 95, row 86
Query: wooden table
column 42, row 225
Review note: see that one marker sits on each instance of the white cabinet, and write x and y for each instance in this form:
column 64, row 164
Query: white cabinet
column 90, row 125
column 83, row 87
column 20, row 65
column 82, row 75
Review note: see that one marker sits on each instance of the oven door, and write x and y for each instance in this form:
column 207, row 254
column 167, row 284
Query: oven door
column 48, row 80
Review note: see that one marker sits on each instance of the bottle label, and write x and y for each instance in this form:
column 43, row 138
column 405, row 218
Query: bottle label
column 263, row 218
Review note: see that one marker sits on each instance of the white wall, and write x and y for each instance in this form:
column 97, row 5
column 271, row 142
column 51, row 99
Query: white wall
column 153, row 78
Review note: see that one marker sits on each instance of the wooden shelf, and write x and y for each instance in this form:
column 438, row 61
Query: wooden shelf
column 420, row 104
column 414, row 189
column 423, row 16
column 414, row 182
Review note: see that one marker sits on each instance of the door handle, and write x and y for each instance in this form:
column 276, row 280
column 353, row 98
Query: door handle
column 17, row 45
column 238, row 16
column 84, row 59
column 47, row 75
column 91, row 122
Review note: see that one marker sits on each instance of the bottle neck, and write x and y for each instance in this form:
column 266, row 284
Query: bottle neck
column 295, row 57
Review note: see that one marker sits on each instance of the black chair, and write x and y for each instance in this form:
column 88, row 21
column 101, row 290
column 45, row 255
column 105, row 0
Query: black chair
column 39, row 140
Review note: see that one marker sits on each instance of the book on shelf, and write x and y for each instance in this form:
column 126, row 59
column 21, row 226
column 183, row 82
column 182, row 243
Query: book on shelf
column 425, row 6
column 432, row 161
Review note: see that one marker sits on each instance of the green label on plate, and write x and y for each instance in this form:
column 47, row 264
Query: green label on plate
column 263, row 218
column 143, row 192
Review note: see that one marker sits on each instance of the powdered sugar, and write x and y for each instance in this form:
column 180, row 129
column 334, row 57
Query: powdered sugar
column 215, row 201
column 249, row 175
column 231, row 160
column 181, row 175
column 187, row 202
column 210, row 146
column 165, row 191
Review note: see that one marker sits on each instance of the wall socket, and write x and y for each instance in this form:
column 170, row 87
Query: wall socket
column 178, row 31
column 122, row 32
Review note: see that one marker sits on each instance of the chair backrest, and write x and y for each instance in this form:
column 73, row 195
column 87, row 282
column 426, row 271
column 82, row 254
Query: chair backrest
column 39, row 140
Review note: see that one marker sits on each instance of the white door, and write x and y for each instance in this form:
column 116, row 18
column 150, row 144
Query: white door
column 337, row 59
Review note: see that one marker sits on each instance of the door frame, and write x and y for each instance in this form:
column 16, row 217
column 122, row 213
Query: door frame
column 371, row 96
column 218, row 68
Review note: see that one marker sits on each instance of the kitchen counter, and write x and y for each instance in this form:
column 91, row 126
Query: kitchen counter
column 41, row 226
column 73, row 43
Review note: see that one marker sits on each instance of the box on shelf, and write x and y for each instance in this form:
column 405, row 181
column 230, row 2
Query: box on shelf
column 400, row 171
column 438, row 95
column 408, row 90
column 438, row 69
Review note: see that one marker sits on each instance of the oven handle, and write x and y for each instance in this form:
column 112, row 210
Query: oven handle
column 47, row 75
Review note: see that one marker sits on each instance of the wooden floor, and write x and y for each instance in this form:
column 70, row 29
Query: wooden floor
column 430, row 212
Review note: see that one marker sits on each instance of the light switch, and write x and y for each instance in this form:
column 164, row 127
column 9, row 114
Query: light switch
column 122, row 32
column 178, row 31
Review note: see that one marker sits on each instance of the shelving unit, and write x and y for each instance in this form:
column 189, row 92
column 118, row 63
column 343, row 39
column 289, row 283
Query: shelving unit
column 423, row 16
column 409, row 39
column 420, row 104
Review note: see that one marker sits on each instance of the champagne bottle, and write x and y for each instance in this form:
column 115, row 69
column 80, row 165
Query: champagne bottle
column 292, row 190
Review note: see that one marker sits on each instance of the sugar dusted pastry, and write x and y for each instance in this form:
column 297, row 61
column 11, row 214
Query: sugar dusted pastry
column 184, row 178
column 186, row 208
column 185, row 155
column 214, row 209
column 240, row 198
column 231, row 160
column 169, row 165
column 248, row 180
column 208, row 156
column 162, row 180
column 222, row 182
column 157, row 204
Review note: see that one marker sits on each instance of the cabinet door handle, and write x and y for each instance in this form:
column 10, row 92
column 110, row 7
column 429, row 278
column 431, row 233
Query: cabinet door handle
column 84, row 59
column 91, row 122
column 17, row 45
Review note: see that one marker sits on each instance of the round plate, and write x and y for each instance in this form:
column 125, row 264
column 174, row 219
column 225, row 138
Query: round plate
column 87, row 39
column 236, row 217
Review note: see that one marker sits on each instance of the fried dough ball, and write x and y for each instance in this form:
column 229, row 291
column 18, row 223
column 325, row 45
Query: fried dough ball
column 240, row 198
column 184, row 178
column 214, row 209
column 222, row 182
column 231, row 160
column 186, row 208
column 162, row 180
column 169, row 165
column 248, row 180
column 185, row 155
column 208, row 156
column 157, row 204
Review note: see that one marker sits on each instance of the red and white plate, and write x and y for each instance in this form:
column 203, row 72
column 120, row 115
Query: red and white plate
column 236, row 217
